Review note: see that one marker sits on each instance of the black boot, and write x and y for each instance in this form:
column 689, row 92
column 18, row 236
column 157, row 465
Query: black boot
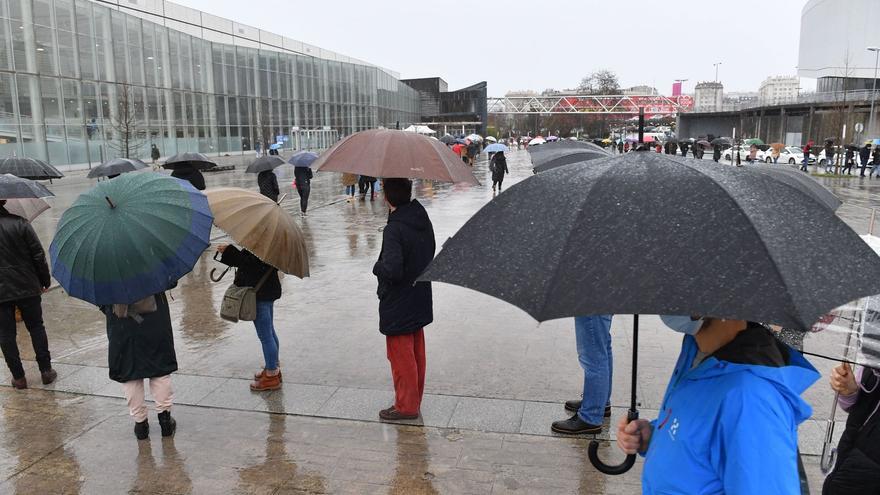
column 167, row 423
column 575, row 426
column 142, row 430
column 575, row 406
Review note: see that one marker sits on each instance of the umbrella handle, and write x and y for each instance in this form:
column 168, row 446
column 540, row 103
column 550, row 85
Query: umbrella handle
column 216, row 278
column 626, row 465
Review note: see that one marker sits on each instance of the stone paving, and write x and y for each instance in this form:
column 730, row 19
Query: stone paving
column 496, row 379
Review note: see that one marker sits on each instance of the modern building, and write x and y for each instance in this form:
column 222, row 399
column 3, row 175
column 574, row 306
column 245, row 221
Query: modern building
column 464, row 110
column 834, row 42
column 76, row 76
column 778, row 89
column 708, row 97
column 640, row 90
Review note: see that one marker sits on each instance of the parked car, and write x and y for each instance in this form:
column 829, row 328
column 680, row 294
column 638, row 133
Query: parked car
column 790, row 155
column 820, row 160
column 743, row 153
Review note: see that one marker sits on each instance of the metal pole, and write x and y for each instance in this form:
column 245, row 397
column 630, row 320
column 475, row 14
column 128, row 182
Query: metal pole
column 874, row 90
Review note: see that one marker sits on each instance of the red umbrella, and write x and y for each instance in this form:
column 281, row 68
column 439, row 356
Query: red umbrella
column 457, row 148
column 390, row 153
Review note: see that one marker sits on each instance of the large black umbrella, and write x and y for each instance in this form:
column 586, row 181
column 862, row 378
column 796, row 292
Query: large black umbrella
column 12, row 187
column 554, row 147
column 28, row 168
column 264, row 163
column 720, row 141
column 189, row 160
column 447, row 139
column 117, row 166
column 566, row 157
column 798, row 180
column 646, row 233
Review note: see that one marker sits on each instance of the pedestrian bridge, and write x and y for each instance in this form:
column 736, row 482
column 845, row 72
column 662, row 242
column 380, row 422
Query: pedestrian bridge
column 591, row 104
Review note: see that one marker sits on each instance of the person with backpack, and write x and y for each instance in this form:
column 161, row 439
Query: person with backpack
column 498, row 167
column 253, row 272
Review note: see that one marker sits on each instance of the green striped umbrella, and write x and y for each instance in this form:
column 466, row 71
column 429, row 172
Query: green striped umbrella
column 129, row 238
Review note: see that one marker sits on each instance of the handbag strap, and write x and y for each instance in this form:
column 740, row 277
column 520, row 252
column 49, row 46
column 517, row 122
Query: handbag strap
column 263, row 279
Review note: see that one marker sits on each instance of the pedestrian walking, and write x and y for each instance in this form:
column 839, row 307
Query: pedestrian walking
column 716, row 152
column 857, row 469
column 696, row 150
column 753, row 154
column 141, row 347
column 734, row 398
column 349, row 181
column 405, row 306
column 864, row 157
column 875, row 161
column 593, row 337
column 829, row 157
column 268, row 183
column 806, row 160
column 253, row 272
column 367, row 183
column 473, row 151
column 303, row 179
column 154, row 154
column 684, row 145
column 774, row 155
column 620, row 147
column 191, row 175
column 25, row 278
column 849, row 158
column 498, row 167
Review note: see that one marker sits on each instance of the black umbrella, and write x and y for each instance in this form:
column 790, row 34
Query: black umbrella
column 117, row 166
column 29, row 168
column 192, row 160
column 720, row 141
column 798, row 180
column 12, row 187
column 572, row 156
column 551, row 147
column 646, row 233
column 447, row 139
column 264, row 163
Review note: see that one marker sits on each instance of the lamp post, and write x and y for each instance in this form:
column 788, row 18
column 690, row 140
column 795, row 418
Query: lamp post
column 716, row 64
column 876, row 51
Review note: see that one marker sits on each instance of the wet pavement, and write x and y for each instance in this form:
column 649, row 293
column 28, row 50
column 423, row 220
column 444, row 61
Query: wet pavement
column 496, row 378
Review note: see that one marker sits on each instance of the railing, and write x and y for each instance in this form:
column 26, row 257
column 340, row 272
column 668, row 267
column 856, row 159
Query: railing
column 859, row 96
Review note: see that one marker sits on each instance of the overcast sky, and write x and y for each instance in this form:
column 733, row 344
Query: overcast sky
column 520, row 44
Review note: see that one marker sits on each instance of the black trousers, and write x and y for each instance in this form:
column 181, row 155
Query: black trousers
column 303, row 190
column 854, row 474
column 32, row 314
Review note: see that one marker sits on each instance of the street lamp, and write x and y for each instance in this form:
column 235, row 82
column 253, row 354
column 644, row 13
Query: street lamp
column 716, row 64
column 874, row 90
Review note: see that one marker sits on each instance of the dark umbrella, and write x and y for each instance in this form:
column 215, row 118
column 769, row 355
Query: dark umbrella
column 117, row 166
column 646, row 233
column 392, row 153
column 303, row 159
column 704, row 143
column 798, row 180
column 560, row 159
column 447, row 139
column 460, row 141
column 564, row 144
column 720, row 141
column 12, row 187
column 264, row 163
column 197, row 161
column 29, row 168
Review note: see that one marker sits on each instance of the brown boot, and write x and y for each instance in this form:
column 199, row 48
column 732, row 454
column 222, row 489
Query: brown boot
column 263, row 372
column 48, row 376
column 266, row 382
column 20, row 383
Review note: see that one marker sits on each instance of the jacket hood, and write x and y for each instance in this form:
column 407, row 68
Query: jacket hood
column 411, row 214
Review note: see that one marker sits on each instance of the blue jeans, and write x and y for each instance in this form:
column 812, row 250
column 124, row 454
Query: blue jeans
column 266, row 332
column 593, row 335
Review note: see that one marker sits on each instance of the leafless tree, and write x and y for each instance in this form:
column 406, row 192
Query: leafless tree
column 600, row 82
column 128, row 129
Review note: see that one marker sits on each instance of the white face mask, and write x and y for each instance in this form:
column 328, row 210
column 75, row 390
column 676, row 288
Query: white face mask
column 682, row 324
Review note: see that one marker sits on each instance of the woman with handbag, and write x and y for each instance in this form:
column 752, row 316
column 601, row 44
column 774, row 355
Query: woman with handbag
column 252, row 272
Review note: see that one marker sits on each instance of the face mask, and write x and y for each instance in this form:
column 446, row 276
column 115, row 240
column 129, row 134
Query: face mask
column 682, row 324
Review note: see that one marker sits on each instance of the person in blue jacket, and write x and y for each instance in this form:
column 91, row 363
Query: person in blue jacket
column 728, row 421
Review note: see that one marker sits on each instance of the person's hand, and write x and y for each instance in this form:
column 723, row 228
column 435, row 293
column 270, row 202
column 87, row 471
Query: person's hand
column 633, row 436
column 222, row 247
column 843, row 380
column 44, row 290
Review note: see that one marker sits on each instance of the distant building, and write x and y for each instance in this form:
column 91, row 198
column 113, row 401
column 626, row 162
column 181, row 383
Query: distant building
column 464, row 110
column 708, row 97
column 640, row 90
column 779, row 89
column 740, row 97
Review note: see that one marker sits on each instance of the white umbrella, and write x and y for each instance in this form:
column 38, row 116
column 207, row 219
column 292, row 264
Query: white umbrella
column 491, row 139
column 537, row 141
column 27, row 208
column 475, row 137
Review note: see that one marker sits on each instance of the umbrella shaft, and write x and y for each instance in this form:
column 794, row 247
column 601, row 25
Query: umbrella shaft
column 633, row 406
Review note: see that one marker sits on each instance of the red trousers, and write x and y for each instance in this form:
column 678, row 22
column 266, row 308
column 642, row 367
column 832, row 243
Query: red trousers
column 407, row 356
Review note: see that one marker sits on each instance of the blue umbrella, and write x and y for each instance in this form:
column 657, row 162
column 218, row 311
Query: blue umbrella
column 275, row 146
column 302, row 159
column 460, row 141
column 495, row 148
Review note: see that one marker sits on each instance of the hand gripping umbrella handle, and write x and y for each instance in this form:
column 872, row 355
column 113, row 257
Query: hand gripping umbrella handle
column 626, row 465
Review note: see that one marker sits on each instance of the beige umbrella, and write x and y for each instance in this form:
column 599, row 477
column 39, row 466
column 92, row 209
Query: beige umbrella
column 27, row 208
column 262, row 227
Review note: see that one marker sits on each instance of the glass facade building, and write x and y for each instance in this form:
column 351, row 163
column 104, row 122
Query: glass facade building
column 79, row 76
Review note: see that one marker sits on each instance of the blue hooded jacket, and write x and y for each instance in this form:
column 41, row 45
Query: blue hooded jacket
column 727, row 428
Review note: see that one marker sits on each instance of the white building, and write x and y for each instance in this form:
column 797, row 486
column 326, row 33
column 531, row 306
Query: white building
column 708, row 97
column 778, row 89
column 640, row 90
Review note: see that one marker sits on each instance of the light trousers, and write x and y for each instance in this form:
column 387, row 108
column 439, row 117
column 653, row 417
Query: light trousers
column 160, row 387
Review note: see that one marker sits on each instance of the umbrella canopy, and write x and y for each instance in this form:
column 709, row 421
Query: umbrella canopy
column 274, row 146
column 551, row 139
column 777, row 146
column 28, row 168
column 457, row 148
column 564, row 144
column 420, row 129
column 704, row 143
column 303, row 159
column 391, row 153
column 264, row 163
column 536, row 141
column 460, row 141
column 720, row 141
column 495, row 148
column 29, row 208
column 12, row 187
column 651, row 233
column 751, row 141
column 800, row 181
column 130, row 237
column 475, row 137
column 117, row 166
column 607, row 141
column 491, row 139
column 550, row 162
column 189, row 160
column 261, row 226
column 447, row 139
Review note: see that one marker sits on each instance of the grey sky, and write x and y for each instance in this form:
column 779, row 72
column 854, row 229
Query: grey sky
column 523, row 44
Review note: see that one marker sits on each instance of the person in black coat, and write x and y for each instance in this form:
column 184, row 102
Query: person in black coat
column 253, row 272
column 303, row 177
column 191, row 175
column 365, row 183
column 716, row 152
column 405, row 306
column 141, row 346
column 268, row 183
column 864, row 156
column 24, row 276
column 498, row 166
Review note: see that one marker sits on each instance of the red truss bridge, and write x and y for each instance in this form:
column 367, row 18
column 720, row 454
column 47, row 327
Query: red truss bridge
column 589, row 104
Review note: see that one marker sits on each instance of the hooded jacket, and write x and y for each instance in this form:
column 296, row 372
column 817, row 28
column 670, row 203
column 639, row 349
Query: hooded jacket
column 268, row 183
column 405, row 306
column 498, row 167
column 190, row 175
column 23, row 268
column 729, row 426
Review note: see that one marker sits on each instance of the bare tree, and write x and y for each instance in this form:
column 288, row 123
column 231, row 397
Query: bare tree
column 600, row 82
column 128, row 132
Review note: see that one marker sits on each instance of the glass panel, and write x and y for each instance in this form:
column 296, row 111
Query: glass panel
column 45, row 50
column 64, row 15
column 5, row 45
column 86, row 50
column 67, row 53
column 8, row 120
column 42, row 13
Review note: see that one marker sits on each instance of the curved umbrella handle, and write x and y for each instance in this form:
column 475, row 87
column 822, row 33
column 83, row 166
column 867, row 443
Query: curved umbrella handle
column 626, row 465
column 218, row 278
